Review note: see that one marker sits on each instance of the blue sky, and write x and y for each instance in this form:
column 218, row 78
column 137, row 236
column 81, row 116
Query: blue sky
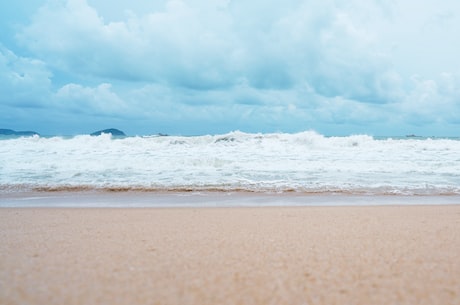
column 213, row 66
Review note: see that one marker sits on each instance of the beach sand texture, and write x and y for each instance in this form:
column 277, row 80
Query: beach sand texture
column 285, row 255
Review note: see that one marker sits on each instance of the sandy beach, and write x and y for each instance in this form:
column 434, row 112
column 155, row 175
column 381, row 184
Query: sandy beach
column 269, row 255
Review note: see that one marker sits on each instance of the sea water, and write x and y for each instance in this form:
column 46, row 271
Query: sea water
column 305, row 162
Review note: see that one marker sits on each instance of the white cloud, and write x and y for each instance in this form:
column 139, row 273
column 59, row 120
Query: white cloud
column 283, row 63
column 24, row 82
column 433, row 101
column 172, row 45
column 100, row 100
column 203, row 45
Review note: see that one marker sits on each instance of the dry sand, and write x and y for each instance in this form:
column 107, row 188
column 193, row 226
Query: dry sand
column 300, row 255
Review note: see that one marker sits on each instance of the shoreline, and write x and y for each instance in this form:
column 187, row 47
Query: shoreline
column 133, row 199
column 268, row 255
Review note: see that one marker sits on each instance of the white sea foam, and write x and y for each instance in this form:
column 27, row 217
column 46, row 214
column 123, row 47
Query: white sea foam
column 301, row 162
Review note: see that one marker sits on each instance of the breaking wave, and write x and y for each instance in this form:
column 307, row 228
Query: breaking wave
column 305, row 163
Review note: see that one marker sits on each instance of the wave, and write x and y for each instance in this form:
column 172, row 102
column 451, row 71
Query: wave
column 366, row 191
column 306, row 138
column 305, row 162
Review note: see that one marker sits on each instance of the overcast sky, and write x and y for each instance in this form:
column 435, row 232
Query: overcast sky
column 212, row 66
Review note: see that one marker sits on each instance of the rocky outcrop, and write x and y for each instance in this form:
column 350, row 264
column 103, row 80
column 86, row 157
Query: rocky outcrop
column 10, row 132
column 113, row 131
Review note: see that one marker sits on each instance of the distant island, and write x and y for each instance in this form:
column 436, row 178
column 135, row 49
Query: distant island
column 10, row 132
column 113, row 131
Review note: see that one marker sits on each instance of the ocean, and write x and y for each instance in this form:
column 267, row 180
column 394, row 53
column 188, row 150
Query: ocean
column 275, row 163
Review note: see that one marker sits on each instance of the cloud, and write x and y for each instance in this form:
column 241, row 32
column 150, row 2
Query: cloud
column 287, row 65
column 433, row 100
column 171, row 45
column 24, row 82
column 100, row 100
column 207, row 45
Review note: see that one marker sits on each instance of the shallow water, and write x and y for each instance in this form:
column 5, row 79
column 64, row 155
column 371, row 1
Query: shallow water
column 92, row 199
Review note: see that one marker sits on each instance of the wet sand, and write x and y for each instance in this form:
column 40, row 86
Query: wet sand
column 269, row 255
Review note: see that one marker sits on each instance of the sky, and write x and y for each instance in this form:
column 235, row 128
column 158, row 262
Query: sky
column 339, row 67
